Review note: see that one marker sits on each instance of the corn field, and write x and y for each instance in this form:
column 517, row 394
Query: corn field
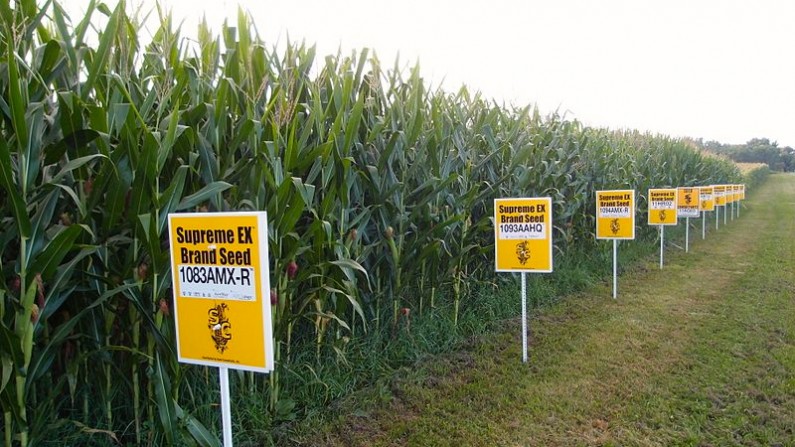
column 377, row 186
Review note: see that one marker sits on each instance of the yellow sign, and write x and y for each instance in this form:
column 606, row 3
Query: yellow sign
column 523, row 235
column 662, row 206
column 707, row 198
column 688, row 202
column 728, row 192
column 720, row 197
column 222, row 311
column 615, row 214
column 742, row 191
column 737, row 192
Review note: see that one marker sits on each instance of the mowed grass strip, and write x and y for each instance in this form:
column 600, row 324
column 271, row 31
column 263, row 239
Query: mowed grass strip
column 701, row 353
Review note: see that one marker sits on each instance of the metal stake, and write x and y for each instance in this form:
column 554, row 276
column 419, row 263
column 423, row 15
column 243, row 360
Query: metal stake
column 615, row 268
column 524, row 318
column 226, row 411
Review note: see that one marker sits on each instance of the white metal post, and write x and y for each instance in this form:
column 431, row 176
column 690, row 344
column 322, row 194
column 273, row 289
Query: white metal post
column 703, row 225
column 662, row 243
column 615, row 268
column 226, row 410
column 687, row 234
column 524, row 318
column 717, row 213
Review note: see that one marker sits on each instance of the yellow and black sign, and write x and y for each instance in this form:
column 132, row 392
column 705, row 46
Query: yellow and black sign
column 688, row 202
column 219, row 265
column 523, row 235
column 742, row 191
column 720, row 194
column 707, row 198
column 615, row 214
column 662, row 206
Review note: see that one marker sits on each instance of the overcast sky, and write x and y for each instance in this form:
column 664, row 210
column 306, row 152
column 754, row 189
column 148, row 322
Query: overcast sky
column 714, row 69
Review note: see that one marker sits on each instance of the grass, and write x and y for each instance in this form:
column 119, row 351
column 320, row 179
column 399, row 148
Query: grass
column 701, row 353
column 372, row 362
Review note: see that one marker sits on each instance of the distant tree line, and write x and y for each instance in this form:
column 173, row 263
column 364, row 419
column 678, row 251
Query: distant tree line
column 756, row 150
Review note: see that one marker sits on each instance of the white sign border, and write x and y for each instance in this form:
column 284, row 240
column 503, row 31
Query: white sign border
column 264, row 258
column 549, row 229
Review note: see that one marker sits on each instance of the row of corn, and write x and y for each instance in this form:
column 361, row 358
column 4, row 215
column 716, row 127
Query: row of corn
column 375, row 185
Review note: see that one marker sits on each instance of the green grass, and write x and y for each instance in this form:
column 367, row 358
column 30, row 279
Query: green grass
column 701, row 353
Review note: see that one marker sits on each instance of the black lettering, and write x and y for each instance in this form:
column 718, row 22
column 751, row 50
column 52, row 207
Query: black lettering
column 538, row 218
column 228, row 275
column 244, row 235
column 245, row 277
column 516, row 209
column 205, row 236
column 234, row 257
column 188, row 256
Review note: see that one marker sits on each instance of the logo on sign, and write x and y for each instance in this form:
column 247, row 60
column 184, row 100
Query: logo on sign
column 615, row 226
column 523, row 252
column 662, row 215
column 220, row 327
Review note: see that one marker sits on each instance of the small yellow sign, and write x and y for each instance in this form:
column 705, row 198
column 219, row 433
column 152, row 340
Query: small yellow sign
column 662, row 206
column 720, row 195
column 615, row 214
column 222, row 311
column 523, row 235
column 742, row 191
column 707, row 198
column 688, row 202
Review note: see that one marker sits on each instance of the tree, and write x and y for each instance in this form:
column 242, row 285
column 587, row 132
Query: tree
column 756, row 150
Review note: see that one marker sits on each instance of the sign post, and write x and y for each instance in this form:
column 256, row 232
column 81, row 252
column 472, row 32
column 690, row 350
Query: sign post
column 615, row 268
column 688, row 205
column 523, row 242
column 742, row 197
column 707, row 204
column 720, row 202
column 735, row 192
column 226, row 407
column 727, row 199
column 662, row 212
column 738, row 197
column 615, row 219
column 221, row 284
